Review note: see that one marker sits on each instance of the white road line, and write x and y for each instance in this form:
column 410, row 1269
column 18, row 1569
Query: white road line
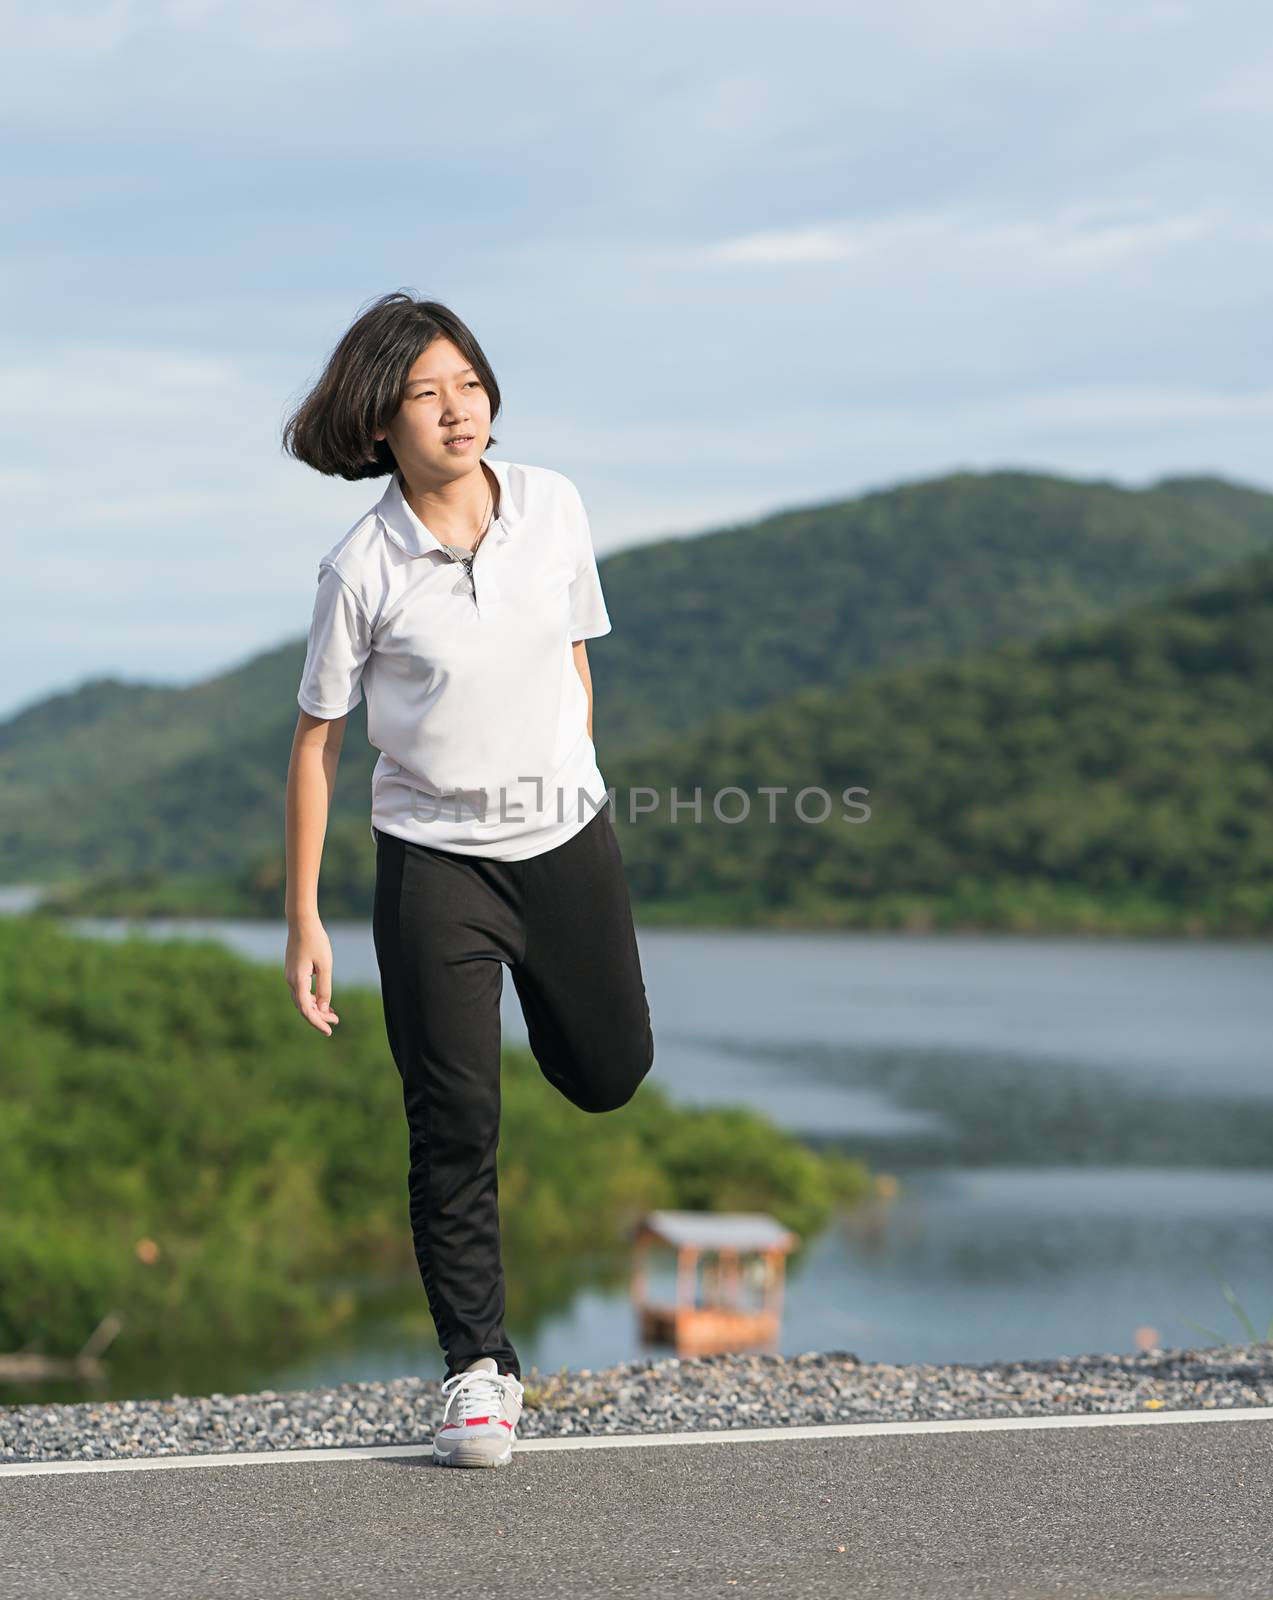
column 622, row 1441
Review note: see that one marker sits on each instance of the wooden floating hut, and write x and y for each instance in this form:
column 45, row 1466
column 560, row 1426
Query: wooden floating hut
column 736, row 1304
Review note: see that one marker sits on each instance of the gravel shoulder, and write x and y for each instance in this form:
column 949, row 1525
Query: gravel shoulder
column 668, row 1395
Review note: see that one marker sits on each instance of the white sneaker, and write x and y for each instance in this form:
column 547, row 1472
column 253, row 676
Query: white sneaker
column 488, row 1403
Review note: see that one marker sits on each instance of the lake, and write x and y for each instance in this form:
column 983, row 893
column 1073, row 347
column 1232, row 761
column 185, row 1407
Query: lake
column 1082, row 1130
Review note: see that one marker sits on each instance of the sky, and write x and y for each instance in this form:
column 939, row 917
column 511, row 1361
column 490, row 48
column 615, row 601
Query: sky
column 725, row 259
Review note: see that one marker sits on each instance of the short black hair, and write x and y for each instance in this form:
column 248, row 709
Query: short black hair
column 362, row 385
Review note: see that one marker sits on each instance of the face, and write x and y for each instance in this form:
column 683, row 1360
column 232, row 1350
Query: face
column 443, row 397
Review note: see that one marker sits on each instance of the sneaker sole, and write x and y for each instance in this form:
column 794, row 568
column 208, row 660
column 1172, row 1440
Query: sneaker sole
column 471, row 1455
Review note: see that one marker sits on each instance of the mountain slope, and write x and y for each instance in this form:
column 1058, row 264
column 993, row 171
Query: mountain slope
column 1111, row 774
column 124, row 778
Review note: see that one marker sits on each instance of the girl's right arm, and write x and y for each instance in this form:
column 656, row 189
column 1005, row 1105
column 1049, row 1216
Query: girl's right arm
column 311, row 779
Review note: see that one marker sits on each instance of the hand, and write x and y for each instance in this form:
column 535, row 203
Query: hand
column 309, row 954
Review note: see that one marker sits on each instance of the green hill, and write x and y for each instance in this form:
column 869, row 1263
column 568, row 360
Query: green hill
column 1111, row 776
column 141, row 783
column 924, row 572
column 1115, row 776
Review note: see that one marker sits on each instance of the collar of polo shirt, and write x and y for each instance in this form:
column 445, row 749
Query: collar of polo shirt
column 410, row 534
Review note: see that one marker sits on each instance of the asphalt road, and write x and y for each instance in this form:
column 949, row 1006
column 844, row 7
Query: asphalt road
column 1109, row 1513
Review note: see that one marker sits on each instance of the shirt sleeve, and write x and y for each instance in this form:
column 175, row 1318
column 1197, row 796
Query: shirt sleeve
column 588, row 616
column 339, row 644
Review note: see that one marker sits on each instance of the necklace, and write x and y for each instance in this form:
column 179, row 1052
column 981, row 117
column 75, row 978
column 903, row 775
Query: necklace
column 465, row 556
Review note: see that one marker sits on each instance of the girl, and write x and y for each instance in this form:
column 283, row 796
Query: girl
column 459, row 605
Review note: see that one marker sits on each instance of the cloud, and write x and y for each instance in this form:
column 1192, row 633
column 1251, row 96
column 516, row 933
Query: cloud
column 1068, row 239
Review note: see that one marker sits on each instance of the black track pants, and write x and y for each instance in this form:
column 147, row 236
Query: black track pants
column 443, row 923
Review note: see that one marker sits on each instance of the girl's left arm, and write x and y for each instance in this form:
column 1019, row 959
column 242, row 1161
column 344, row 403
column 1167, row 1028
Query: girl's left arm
column 585, row 674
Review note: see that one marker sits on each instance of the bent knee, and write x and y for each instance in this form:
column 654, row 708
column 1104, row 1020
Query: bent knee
column 608, row 1099
column 616, row 1087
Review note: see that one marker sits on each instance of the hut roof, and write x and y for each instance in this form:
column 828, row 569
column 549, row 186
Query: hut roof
column 718, row 1230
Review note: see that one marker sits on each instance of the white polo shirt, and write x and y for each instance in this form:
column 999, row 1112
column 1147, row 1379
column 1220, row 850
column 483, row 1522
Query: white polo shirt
column 473, row 698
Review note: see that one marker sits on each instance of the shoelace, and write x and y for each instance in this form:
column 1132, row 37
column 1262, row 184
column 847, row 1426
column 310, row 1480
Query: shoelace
column 481, row 1394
